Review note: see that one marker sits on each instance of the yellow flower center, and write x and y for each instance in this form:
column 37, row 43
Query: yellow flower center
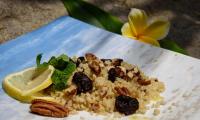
column 138, row 36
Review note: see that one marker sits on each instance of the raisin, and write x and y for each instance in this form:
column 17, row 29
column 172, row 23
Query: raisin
column 83, row 82
column 79, row 60
column 112, row 75
column 115, row 72
column 126, row 105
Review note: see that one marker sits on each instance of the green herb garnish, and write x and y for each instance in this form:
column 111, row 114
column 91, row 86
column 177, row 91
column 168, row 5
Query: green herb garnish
column 64, row 68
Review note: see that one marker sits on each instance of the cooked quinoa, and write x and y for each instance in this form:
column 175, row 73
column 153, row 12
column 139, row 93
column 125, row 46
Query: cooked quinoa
column 110, row 78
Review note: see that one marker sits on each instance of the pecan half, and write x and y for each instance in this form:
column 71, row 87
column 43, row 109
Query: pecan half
column 95, row 67
column 90, row 56
column 48, row 108
column 122, row 91
column 144, row 82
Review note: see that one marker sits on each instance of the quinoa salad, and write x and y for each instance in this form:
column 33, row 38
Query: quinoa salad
column 107, row 86
column 92, row 84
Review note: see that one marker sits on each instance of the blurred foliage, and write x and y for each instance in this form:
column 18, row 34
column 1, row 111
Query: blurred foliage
column 172, row 45
column 93, row 15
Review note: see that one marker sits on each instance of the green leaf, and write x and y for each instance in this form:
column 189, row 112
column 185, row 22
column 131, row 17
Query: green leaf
column 59, row 80
column 53, row 61
column 172, row 45
column 40, row 67
column 63, row 57
column 91, row 14
column 64, row 68
column 71, row 67
column 38, row 59
column 60, row 62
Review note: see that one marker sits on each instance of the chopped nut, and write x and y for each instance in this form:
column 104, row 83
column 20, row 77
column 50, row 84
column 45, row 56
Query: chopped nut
column 70, row 91
column 90, row 56
column 127, row 66
column 122, row 91
column 119, row 72
column 94, row 66
column 94, row 106
column 144, row 82
column 101, row 65
column 117, row 62
column 48, row 108
column 107, row 63
column 130, row 74
column 127, row 78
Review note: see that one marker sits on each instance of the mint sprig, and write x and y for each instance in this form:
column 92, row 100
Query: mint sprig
column 63, row 69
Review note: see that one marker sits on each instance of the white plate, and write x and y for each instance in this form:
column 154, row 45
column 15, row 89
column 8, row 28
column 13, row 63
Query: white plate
column 180, row 73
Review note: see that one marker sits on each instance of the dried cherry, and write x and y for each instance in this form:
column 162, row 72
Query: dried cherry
column 83, row 82
column 126, row 105
column 112, row 75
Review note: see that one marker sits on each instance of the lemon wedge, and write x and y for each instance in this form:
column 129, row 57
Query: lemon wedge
column 40, row 95
column 25, row 85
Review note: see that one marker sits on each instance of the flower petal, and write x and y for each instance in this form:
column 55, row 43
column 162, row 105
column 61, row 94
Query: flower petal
column 138, row 20
column 157, row 30
column 149, row 40
column 126, row 30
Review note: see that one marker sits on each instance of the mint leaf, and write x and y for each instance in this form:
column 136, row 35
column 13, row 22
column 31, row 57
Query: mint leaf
column 63, row 57
column 38, row 59
column 53, row 61
column 40, row 67
column 59, row 80
column 60, row 62
column 71, row 67
column 64, row 68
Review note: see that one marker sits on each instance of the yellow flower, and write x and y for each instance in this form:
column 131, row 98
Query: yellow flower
column 138, row 27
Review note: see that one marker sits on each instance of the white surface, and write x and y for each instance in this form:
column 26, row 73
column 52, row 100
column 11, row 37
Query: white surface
column 180, row 73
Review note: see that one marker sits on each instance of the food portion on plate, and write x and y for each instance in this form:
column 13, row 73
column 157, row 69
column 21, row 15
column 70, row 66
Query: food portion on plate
column 65, row 85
